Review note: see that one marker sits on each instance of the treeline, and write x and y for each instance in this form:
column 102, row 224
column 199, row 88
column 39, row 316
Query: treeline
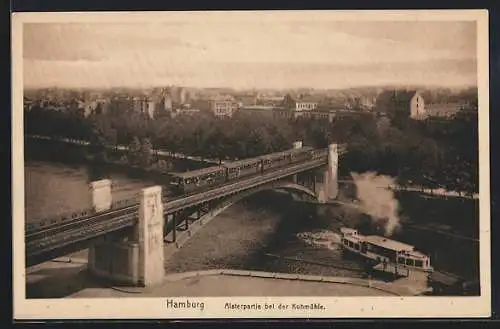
column 432, row 153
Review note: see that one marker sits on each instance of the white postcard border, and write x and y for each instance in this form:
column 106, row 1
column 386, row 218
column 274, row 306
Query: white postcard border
column 335, row 307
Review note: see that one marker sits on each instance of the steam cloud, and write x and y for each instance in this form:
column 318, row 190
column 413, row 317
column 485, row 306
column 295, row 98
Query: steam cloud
column 377, row 200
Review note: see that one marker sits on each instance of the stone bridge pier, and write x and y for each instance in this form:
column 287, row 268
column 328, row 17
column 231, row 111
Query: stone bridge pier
column 136, row 258
column 322, row 181
column 327, row 184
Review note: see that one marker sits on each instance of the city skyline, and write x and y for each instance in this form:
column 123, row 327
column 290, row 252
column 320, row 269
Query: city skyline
column 250, row 54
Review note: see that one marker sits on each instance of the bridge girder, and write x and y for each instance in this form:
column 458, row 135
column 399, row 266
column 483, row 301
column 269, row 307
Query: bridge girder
column 229, row 200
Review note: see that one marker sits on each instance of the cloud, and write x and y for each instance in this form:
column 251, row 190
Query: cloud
column 457, row 37
column 249, row 53
column 94, row 42
column 248, row 75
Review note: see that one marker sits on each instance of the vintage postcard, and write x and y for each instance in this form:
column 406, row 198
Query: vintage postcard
column 273, row 164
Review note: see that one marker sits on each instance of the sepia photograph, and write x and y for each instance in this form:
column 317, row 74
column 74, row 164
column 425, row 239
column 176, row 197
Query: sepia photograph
column 251, row 164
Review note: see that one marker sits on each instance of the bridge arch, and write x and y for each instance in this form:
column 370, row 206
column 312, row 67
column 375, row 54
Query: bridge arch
column 275, row 186
column 286, row 186
column 184, row 236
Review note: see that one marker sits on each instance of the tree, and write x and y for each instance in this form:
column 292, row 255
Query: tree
column 145, row 153
column 134, row 151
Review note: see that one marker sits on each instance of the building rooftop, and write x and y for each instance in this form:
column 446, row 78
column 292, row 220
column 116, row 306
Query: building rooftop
column 309, row 99
column 270, row 98
column 396, row 96
column 222, row 98
column 258, row 107
column 443, row 108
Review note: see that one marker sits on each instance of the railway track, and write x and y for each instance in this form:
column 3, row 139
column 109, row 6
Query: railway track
column 77, row 224
column 70, row 232
column 63, row 239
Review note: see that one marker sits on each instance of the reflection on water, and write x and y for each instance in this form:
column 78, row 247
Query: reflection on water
column 52, row 188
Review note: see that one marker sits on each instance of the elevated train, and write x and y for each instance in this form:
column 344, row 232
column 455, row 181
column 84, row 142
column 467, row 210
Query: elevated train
column 188, row 182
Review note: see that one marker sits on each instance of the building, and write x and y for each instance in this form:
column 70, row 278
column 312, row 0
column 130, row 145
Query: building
column 185, row 109
column 90, row 107
column 246, row 101
column 303, row 103
column 305, row 107
column 146, row 105
column 443, row 110
column 138, row 104
column 222, row 106
column 401, row 103
column 150, row 109
column 321, row 114
column 261, row 110
column 268, row 100
column 183, row 96
column 121, row 104
column 28, row 104
column 102, row 106
column 166, row 105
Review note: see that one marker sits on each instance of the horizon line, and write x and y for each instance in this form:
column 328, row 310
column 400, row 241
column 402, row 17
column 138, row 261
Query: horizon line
column 153, row 86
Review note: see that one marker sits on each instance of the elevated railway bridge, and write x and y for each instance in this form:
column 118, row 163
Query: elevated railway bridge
column 126, row 238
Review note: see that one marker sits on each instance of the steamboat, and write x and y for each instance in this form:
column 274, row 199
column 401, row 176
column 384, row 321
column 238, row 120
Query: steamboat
column 383, row 252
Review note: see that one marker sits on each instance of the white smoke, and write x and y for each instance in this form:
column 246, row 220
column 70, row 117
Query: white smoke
column 377, row 200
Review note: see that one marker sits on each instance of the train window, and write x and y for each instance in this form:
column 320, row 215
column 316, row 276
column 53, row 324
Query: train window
column 419, row 263
column 356, row 246
column 401, row 260
column 409, row 262
column 345, row 242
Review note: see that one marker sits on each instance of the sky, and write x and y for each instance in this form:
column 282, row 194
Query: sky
column 250, row 54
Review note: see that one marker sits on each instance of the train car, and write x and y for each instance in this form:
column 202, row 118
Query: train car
column 301, row 154
column 275, row 160
column 319, row 154
column 190, row 181
column 243, row 168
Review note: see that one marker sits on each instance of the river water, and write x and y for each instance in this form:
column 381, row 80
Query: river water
column 269, row 231
column 54, row 188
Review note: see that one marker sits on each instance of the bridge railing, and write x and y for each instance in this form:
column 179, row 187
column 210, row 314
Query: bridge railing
column 69, row 217
column 119, row 204
column 105, row 222
column 58, row 219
